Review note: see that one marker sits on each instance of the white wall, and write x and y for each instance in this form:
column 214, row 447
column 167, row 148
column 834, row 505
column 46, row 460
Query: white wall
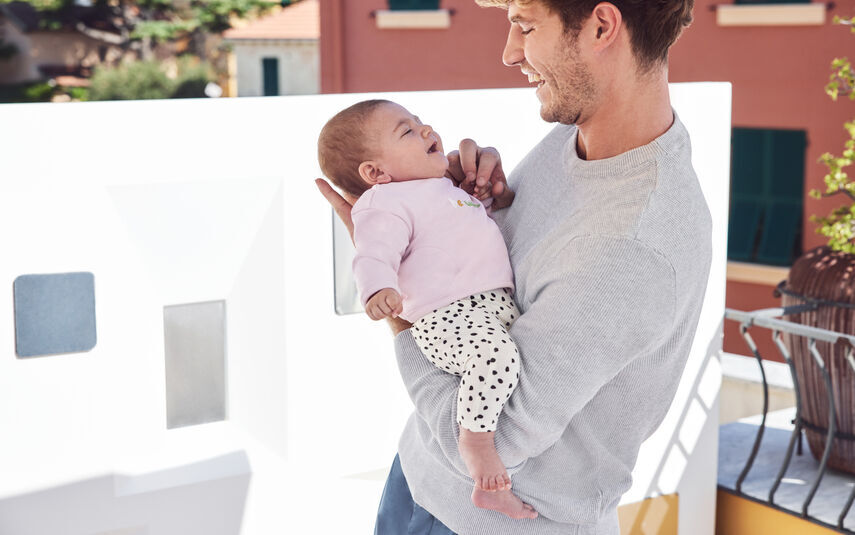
column 299, row 66
column 199, row 200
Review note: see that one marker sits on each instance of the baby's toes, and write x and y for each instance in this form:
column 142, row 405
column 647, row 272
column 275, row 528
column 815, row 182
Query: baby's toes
column 506, row 481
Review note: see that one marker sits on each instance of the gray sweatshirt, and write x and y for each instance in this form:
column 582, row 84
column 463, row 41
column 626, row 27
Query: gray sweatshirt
column 611, row 259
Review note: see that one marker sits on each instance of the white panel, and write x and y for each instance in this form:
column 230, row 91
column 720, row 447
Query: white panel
column 192, row 237
column 258, row 391
column 214, row 199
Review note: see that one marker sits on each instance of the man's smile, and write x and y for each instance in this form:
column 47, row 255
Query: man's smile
column 534, row 77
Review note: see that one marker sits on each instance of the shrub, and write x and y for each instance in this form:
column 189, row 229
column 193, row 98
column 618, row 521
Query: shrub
column 839, row 225
column 143, row 80
column 131, row 81
column 29, row 92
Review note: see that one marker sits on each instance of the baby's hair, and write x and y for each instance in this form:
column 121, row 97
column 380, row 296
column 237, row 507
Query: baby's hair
column 343, row 145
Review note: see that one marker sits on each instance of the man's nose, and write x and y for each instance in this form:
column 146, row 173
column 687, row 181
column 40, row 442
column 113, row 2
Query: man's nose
column 513, row 52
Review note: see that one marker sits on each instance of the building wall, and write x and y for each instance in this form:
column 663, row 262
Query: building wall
column 18, row 68
column 71, row 49
column 778, row 74
column 299, row 66
column 359, row 57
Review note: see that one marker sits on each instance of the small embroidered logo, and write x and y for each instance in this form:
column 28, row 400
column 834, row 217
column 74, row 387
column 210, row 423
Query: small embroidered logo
column 463, row 203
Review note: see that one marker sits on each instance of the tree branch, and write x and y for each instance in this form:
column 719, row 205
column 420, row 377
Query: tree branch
column 843, row 191
column 99, row 35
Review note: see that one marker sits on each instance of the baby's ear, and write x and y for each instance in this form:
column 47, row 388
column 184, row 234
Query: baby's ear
column 372, row 174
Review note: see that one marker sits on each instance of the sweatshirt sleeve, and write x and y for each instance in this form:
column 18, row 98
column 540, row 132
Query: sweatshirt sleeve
column 612, row 301
column 381, row 237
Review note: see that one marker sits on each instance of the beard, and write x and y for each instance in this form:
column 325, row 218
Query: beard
column 571, row 87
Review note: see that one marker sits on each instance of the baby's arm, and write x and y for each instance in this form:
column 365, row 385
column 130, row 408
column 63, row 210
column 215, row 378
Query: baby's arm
column 381, row 237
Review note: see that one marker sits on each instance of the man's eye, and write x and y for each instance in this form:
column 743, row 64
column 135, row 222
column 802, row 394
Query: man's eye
column 526, row 32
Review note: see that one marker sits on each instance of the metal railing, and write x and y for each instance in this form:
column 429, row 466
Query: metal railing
column 769, row 318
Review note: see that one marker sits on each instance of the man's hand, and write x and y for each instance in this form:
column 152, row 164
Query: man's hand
column 384, row 304
column 478, row 171
column 342, row 207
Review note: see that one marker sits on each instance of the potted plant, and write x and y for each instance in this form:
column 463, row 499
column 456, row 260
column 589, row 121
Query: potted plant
column 824, row 278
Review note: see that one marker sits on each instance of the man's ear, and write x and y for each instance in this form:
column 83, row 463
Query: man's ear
column 608, row 20
column 372, row 174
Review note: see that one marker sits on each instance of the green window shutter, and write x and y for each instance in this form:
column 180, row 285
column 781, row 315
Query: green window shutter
column 742, row 228
column 410, row 5
column 766, row 196
column 781, row 233
column 788, row 164
column 270, row 73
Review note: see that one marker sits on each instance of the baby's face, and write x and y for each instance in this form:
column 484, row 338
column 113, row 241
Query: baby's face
column 406, row 148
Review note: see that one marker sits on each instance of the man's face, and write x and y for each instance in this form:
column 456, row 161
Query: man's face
column 407, row 149
column 552, row 58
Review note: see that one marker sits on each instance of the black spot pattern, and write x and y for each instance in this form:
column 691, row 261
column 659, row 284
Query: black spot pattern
column 483, row 318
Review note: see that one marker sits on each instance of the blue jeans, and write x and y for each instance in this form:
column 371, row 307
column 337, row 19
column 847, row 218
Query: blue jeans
column 398, row 514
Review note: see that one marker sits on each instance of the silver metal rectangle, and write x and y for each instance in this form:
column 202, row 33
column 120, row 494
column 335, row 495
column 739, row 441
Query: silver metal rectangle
column 195, row 352
column 346, row 296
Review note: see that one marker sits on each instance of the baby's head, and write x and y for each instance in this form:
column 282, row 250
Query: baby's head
column 376, row 142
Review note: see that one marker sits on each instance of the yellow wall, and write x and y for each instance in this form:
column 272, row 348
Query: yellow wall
column 740, row 516
column 652, row 516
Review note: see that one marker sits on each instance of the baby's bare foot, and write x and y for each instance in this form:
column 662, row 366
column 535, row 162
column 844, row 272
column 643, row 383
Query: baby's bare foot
column 505, row 502
column 485, row 467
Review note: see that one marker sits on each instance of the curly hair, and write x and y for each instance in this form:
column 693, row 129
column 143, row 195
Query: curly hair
column 654, row 25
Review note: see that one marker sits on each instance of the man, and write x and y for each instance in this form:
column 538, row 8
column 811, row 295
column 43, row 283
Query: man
column 610, row 240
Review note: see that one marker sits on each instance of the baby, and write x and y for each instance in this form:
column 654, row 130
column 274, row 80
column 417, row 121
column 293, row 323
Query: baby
column 429, row 252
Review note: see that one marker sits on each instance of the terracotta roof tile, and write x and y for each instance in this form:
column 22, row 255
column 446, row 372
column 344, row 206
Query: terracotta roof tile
column 297, row 21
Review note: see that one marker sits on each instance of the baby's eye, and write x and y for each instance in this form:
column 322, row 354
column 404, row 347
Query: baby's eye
column 407, row 132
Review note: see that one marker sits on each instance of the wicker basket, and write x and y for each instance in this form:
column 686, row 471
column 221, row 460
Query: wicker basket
column 829, row 277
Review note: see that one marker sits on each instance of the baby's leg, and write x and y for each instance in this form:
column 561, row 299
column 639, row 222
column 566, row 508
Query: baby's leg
column 505, row 502
column 485, row 467
column 489, row 376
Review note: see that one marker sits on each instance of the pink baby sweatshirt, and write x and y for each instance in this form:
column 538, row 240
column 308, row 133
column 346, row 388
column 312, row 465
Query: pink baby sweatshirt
column 430, row 241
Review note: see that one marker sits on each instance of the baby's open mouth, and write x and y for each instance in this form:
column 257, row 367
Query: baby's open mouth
column 432, row 148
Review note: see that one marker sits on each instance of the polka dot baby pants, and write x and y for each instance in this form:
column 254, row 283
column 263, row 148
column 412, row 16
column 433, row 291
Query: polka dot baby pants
column 469, row 338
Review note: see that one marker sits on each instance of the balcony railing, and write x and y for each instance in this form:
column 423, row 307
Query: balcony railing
column 769, row 319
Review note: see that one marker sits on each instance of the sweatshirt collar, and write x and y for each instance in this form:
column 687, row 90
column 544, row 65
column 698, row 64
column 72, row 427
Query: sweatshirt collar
column 670, row 142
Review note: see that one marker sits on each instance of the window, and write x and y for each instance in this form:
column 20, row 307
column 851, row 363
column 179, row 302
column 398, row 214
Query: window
column 766, row 195
column 771, row 13
column 413, row 15
column 270, row 73
column 411, row 5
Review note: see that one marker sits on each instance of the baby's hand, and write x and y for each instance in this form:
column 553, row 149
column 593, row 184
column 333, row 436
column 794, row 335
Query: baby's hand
column 387, row 302
column 483, row 192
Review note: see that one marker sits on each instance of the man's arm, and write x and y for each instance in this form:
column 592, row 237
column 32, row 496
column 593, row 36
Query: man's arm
column 612, row 301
